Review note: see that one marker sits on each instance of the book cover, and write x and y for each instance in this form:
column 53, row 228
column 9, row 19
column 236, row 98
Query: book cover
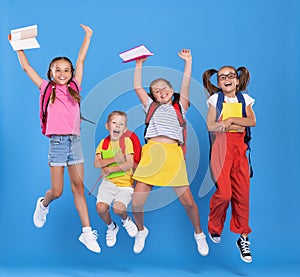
column 232, row 110
column 24, row 38
column 135, row 53
column 106, row 154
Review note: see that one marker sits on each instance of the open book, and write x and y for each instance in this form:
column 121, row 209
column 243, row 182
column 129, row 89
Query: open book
column 24, row 38
column 106, row 154
column 135, row 53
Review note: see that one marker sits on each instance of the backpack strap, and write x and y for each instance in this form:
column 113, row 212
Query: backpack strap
column 153, row 107
column 46, row 100
column 105, row 143
column 182, row 123
column 219, row 106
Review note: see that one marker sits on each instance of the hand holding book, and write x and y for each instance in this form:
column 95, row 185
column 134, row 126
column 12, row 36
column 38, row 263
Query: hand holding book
column 24, row 38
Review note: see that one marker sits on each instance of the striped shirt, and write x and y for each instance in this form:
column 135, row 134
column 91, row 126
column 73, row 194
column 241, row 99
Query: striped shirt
column 164, row 122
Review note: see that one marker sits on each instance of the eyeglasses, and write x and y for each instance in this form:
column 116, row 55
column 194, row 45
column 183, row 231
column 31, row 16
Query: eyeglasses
column 222, row 77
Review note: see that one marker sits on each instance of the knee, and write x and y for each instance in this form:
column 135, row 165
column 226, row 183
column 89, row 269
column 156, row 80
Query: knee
column 102, row 208
column 137, row 205
column 56, row 193
column 118, row 211
column 189, row 205
column 225, row 196
column 78, row 188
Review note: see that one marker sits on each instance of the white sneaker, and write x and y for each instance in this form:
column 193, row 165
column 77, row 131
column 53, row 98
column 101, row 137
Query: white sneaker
column 40, row 213
column 130, row 227
column 201, row 243
column 139, row 242
column 89, row 239
column 111, row 236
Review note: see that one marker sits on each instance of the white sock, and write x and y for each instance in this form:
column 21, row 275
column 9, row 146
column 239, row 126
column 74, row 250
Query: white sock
column 111, row 225
column 124, row 220
column 86, row 229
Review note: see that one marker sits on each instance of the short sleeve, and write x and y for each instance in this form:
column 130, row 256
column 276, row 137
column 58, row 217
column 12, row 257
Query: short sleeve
column 43, row 86
column 99, row 147
column 248, row 99
column 212, row 100
column 128, row 146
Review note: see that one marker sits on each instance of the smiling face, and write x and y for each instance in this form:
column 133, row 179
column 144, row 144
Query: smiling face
column 116, row 126
column 61, row 72
column 228, row 81
column 162, row 92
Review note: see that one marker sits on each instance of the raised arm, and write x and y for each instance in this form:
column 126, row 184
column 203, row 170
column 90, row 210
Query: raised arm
column 137, row 82
column 32, row 74
column 186, row 55
column 82, row 53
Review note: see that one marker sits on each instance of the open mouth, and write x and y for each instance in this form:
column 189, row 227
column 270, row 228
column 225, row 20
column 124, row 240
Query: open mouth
column 227, row 84
column 116, row 132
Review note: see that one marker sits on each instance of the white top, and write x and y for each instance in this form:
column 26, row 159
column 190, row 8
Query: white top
column 164, row 122
column 212, row 100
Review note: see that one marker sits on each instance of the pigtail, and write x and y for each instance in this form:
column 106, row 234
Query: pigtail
column 244, row 78
column 53, row 93
column 209, row 87
column 75, row 95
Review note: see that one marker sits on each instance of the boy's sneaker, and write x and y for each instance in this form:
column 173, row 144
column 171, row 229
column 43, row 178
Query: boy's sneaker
column 130, row 227
column 111, row 236
column 89, row 239
column 40, row 213
column 243, row 245
column 215, row 238
column 139, row 242
column 201, row 243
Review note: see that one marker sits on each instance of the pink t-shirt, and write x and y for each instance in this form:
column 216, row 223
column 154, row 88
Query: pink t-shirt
column 64, row 113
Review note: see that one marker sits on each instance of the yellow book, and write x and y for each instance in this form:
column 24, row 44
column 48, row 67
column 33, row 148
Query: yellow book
column 232, row 110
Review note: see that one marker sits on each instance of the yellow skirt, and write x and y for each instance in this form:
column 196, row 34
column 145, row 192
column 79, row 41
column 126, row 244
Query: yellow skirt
column 162, row 164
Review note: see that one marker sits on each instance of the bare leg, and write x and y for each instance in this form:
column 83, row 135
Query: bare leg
column 140, row 195
column 186, row 198
column 103, row 211
column 57, row 184
column 76, row 173
column 120, row 210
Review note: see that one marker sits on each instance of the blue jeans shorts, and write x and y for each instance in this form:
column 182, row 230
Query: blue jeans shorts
column 65, row 150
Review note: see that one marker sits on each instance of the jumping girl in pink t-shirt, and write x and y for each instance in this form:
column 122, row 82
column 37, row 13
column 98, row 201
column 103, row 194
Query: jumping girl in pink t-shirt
column 63, row 128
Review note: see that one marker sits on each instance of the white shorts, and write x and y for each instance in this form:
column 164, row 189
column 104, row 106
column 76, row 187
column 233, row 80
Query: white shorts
column 109, row 193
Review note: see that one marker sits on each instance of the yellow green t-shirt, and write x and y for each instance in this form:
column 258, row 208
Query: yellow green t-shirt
column 114, row 146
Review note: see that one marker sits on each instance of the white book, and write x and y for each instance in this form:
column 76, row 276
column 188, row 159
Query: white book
column 24, row 38
column 135, row 53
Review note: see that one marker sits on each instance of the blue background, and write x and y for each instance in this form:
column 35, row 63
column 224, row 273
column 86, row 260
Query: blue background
column 261, row 35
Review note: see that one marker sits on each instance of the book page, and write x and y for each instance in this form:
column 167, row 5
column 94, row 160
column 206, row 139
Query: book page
column 24, row 33
column 24, row 44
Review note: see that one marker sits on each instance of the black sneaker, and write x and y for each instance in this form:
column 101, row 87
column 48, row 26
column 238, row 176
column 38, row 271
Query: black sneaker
column 243, row 245
column 215, row 238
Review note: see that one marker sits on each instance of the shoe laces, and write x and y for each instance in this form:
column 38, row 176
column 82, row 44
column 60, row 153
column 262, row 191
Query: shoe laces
column 93, row 235
column 245, row 246
column 110, row 233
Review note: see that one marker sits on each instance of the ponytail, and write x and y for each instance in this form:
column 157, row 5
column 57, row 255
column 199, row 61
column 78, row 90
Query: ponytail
column 209, row 87
column 244, row 77
column 75, row 95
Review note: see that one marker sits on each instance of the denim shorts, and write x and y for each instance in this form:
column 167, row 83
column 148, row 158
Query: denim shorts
column 65, row 150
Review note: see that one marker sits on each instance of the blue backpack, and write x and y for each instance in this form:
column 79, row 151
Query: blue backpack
column 247, row 137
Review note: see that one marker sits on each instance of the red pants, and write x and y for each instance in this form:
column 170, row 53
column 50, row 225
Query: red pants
column 230, row 168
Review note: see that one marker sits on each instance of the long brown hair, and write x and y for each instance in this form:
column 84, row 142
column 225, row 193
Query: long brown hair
column 75, row 95
column 242, row 74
